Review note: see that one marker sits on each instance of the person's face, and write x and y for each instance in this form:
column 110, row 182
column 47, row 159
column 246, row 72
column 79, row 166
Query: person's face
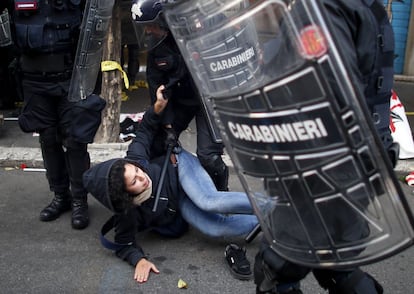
column 155, row 30
column 136, row 180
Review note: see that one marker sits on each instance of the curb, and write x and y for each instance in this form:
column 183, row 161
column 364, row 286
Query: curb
column 32, row 157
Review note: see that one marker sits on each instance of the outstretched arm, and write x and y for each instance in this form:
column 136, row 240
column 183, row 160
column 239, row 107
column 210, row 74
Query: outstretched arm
column 140, row 147
column 125, row 231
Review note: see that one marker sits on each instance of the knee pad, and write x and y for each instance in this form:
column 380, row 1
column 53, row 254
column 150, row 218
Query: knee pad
column 218, row 171
column 348, row 282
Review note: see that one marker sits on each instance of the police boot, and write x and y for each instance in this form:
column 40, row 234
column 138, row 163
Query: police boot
column 80, row 214
column 348, row 282
column 218, row 171
column 60, row 204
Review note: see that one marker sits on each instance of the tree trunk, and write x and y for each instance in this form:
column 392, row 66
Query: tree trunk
column 108, row 131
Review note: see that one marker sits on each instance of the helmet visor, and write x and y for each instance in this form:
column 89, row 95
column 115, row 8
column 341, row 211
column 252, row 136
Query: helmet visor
column 150, row 33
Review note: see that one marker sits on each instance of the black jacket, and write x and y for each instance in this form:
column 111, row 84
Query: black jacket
column 128, row 223
column 50, row 28
column 356, row 30
column 366, row 40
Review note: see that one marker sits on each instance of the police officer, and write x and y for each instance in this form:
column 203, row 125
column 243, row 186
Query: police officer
column 165, row 66
column 366, row 39
column 46, row 34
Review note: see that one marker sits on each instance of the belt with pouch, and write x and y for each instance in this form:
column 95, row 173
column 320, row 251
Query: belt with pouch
column 48, row 76
column 46, row 63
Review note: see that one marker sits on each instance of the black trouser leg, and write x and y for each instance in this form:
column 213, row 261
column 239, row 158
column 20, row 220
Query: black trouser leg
column 209, row 153
column 56, row 173
column 78, row 161
column 274, row 274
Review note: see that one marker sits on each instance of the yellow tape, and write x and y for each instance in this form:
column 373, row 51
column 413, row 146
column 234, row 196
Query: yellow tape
column 409, row 113
column 109, row 65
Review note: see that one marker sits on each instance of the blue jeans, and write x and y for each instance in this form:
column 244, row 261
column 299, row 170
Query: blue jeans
column 214, row 213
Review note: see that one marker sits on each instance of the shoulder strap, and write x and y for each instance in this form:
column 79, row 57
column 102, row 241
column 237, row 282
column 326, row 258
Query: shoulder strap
column 109, row 225
column 378, row 10
column 380, row 81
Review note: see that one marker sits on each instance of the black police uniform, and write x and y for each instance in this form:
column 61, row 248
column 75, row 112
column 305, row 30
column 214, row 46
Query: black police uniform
column 165, row 66
column 364, row 33
column 129, row 39
column 46, row 34
column 9, row 84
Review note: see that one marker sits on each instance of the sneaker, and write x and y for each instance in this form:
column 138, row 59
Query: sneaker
column 237, row 261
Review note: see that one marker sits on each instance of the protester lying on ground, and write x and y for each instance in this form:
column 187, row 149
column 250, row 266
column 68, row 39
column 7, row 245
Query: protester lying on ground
column 187, row 196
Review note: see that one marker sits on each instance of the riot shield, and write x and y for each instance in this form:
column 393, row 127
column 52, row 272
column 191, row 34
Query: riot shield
column 213, row 128
column 5, row 33
column 87, row 64
column 297, row 130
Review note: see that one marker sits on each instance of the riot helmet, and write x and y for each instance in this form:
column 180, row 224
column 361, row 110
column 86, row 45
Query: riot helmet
column 149, row 24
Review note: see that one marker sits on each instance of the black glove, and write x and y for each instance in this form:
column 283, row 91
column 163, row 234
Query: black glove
column 170, row 138
column 167, row 92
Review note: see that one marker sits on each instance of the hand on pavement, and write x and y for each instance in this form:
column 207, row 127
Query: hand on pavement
column 143, row 269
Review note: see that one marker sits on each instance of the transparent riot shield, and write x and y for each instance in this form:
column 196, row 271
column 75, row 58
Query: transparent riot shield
column 94, row 30
column 5, row 33
column 298, row 132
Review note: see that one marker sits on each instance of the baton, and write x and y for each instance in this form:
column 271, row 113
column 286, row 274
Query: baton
column 163, row 171
column 253, row 233
column 167, row 94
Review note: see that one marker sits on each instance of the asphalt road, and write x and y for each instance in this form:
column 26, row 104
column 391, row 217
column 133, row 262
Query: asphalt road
column 39, row 257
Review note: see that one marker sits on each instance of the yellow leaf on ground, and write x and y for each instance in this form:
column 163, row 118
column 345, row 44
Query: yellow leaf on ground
column 182, row 284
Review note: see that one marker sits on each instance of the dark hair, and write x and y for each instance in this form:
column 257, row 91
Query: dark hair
column 120, row 198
